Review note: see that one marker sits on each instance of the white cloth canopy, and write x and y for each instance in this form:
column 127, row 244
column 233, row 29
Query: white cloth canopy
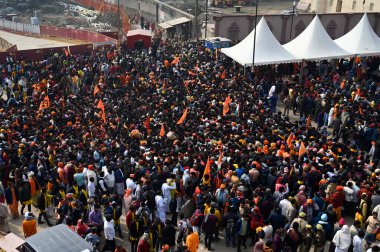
column 361, row 40
column 315, row 44
column 268, row 50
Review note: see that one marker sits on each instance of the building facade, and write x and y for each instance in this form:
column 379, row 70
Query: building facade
column 332, row 6
column 237, row 27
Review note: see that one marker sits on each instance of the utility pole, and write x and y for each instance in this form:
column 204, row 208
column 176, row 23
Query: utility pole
column 196, row 20
column 254, row 42
column 206, row 19
column 118, row 21
column 291, row 23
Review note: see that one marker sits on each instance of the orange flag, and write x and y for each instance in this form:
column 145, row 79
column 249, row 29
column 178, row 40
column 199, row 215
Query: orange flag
column 226, row 105
column 96, row 90
column 45, row 103
column 101, row 106
column 308, row 122
column 360, row 110
column 17, row 123
column 302, row 150
column 223, row 75
column 162, row 131
column 289, row 140
column 147, row 123
column 207, row 168
column 183, row 117
column 220, row 160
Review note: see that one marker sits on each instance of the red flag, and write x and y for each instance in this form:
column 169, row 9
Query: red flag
column 96, row 90
column 162, row 131
column 226, row 105
column 147, row 123
column 183, row 117
column 302, row 150
column 45, row 103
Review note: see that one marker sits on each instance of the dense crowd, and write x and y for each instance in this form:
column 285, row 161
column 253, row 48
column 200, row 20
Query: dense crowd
column 188, row 148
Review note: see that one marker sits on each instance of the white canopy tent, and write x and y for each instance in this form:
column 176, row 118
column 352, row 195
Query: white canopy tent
column 315, row 44
column 268, row 50
column 361, row 40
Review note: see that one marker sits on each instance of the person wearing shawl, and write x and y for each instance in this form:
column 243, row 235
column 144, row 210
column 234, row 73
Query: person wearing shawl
column 342, row 239
column 82, row 228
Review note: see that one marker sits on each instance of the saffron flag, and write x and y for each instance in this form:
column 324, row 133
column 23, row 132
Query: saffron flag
column 183, row 117
column 308, row 122
column 302, row 150
column 101, row 106
column 162, row 131
column 207, row 168
column 96, row 90
column 220, row 160
column 226, row 105
column 289, row 140
column 147, row 123
column 360, row 110
column 45, row 103
column 223, row 75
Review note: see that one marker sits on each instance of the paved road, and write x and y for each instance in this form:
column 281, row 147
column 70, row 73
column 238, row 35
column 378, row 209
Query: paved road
column 25, row 42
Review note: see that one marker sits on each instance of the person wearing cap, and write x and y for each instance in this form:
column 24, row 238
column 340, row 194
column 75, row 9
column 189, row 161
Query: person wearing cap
column 310, row 209
column 307, row 239
column 301, row 222
column 29, row 225
column 319, row 238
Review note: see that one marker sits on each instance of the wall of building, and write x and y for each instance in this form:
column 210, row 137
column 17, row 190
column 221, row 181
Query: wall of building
column 329, row 6
column 237, row 27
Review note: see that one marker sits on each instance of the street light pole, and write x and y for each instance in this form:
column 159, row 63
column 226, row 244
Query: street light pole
column 118, row 21
column 206, row 19
column 196, row 20
column 254, row 39
column 291, row 24
column 189, row 11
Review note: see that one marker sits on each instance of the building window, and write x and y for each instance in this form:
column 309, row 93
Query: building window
column 353, row 5
column 371, row 6
column 331, row 3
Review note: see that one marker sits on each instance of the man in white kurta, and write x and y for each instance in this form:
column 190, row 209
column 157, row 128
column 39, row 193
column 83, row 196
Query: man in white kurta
column 166, row 188
column 160, row 213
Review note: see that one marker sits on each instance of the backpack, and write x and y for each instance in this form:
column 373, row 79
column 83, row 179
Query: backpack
column 196, row 218
column 230, row 227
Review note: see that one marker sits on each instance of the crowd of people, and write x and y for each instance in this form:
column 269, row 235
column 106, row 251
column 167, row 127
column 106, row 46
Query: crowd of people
column 188, row 148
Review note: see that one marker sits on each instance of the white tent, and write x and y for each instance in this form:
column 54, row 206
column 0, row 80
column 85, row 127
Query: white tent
column 268, row 50
column 361, row 40
column 315, row 44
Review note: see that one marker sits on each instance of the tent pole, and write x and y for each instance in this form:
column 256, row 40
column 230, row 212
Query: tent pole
column 254, row 40
column 301, row 73
column 245, row 70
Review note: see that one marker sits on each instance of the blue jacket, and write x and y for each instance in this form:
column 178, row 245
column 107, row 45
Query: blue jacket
column 239, row 226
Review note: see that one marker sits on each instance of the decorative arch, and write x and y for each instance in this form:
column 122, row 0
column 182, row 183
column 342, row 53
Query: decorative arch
column 300, row 27
column 331, row 28
column 233, row 31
